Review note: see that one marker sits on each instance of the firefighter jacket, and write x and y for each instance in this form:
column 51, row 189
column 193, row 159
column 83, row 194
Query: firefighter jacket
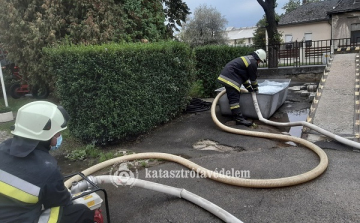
column 239, row 71
column 31, row 187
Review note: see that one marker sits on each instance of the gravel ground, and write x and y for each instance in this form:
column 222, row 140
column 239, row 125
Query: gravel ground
column 4, row 135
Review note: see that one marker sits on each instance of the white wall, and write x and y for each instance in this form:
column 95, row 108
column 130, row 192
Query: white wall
column 238, row 42
column 319, row 31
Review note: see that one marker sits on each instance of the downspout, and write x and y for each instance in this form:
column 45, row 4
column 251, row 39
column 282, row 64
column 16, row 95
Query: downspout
column 331, row 35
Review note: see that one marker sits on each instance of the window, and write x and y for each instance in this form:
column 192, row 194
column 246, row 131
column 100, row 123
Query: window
column 308, row 39
column 355, row 26
column 307, row 36
column 288, row 38
column 355, row 32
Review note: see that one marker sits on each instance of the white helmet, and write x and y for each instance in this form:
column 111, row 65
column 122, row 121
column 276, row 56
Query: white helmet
column 40, row 120
column 261, row 54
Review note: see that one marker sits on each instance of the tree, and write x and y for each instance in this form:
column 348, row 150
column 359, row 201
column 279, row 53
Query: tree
column 29, row 25
column 176, row 12
column 291, row 5
column 205, row 27
column 294, row 4
column 260, row 34
column 271, row 28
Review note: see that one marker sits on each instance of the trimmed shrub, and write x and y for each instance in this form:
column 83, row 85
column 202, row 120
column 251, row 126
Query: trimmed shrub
column 117, row 91
column 210, row 60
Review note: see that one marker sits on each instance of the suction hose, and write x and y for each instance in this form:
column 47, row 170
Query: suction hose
column 305, row 124
column 174, row 191
column 254, row 183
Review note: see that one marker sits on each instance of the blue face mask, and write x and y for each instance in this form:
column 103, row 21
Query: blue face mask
column 58, row 143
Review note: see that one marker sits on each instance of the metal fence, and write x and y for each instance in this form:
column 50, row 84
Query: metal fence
column 306, row 53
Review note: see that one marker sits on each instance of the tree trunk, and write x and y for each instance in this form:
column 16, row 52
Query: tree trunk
column 271, row 28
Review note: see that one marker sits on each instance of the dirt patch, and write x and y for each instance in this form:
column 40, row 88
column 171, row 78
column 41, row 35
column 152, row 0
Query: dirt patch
column 215, row 146
column 4, row 136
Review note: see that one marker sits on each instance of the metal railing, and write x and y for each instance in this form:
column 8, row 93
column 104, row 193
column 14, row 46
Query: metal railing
column 307, row 53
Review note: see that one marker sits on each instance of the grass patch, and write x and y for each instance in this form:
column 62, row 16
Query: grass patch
column 6, row 126
column 106, row 156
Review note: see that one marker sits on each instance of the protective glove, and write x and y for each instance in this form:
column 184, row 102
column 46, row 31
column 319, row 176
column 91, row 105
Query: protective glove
column 247, row 86
column 255, row 86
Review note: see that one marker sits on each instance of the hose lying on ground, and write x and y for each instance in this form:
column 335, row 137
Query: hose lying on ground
column 305, row 124
column 174, row 191
column 256, row 183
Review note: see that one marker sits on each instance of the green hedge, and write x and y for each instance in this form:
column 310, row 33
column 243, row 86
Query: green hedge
column 209, row 62
column 115, row 91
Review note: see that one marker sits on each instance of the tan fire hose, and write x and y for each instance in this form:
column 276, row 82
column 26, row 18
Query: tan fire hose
column 242, row 182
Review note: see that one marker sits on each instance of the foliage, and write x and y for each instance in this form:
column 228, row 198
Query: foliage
column 143, row 20
column 197, row 89
column 176, row 12
column 260, row 34
column 294, row 4
column 115, row 91
column 106, row 156
column 209, row 62
column 75, row 155
column 291, row 5
column 205, row 27
column 28, row 26
column 90, row 151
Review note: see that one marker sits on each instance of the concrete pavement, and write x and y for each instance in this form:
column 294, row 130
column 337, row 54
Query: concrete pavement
column 336, row 105
column 333, row 197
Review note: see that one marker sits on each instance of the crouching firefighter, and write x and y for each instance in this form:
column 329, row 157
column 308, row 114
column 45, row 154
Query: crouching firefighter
column 241, row 71
column 31, row 185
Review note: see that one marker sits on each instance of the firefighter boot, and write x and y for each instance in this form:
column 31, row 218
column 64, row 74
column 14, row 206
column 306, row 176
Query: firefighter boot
column 240, row 120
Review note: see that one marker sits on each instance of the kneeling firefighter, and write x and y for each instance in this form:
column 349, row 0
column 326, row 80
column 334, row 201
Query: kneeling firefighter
column 241, row 71
column 31, row 185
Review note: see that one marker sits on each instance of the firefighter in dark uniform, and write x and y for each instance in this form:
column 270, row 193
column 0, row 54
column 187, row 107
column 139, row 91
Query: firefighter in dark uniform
column 31, row 185
column 241, row 71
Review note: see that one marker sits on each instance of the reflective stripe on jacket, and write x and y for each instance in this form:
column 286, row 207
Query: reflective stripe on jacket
column 25, row 192
column 50, row 215
column 239, row 70
column 30, row 184
column 18, row 189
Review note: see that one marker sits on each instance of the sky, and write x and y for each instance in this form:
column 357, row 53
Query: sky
column 238, row 13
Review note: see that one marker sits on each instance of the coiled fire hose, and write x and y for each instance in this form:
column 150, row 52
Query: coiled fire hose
column 255, row 183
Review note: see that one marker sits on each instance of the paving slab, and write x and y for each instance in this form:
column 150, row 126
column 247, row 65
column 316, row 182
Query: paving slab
column 335, row 110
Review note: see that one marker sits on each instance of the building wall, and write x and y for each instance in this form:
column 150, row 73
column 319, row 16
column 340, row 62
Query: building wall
column 240, row 36
column 318, row 30
column 341, row 24
column 240, row 42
